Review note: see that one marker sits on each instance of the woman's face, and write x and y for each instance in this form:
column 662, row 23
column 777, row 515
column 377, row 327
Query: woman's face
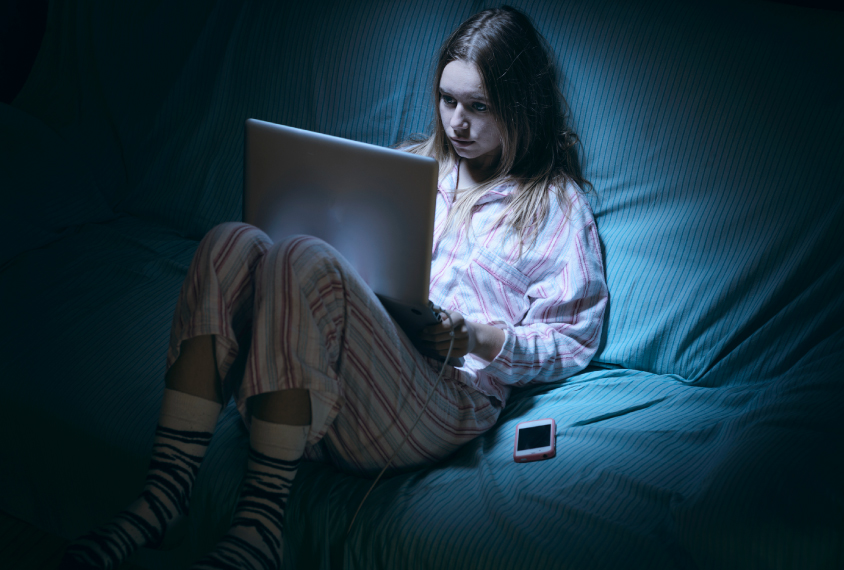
column 465, row 114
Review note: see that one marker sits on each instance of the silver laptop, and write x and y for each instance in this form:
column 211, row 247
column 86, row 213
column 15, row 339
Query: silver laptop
column 373, row 204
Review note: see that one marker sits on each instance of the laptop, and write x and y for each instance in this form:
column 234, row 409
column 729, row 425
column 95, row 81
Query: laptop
column 375, row 205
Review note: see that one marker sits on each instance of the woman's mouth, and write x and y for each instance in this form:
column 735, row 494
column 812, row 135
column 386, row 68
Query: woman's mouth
column 460, row 142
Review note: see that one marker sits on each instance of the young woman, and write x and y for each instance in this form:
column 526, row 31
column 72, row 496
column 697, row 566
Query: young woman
column 320, row 371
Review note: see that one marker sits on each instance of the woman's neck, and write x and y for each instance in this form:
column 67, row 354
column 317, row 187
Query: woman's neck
column 471, row 173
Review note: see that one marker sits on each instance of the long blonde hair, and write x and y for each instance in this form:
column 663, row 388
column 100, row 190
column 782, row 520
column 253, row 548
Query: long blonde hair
column 538, row 152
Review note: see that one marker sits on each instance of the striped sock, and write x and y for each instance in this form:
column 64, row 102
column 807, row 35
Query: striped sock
column 184, row 431
column 255, row 538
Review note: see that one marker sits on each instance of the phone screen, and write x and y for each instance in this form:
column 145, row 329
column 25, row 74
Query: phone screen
column 537, row 436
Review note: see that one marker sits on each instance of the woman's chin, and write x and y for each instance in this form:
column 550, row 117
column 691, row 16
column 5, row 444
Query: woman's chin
column 479, row 161
column 465, row 153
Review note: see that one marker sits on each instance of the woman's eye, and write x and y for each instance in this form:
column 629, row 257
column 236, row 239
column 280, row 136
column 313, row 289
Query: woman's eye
column 447, row 100
column 479, row 107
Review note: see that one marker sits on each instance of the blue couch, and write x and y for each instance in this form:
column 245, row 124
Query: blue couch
column 707, row 433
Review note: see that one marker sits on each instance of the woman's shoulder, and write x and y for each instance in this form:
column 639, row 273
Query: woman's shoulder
column 572, row 206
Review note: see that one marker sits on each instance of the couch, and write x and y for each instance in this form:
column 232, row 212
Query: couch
column 707, row 431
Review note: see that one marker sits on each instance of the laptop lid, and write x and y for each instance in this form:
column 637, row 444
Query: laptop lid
column 374, row 205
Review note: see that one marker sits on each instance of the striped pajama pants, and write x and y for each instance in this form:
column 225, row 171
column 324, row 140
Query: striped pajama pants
column 296, row 315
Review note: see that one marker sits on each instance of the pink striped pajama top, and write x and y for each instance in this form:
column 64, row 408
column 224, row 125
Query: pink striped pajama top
column 550, row 302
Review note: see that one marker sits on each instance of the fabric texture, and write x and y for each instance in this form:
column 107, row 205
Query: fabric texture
column 314, row 324
column 549, row 299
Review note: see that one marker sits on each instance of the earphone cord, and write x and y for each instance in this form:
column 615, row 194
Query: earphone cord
column 425, row 407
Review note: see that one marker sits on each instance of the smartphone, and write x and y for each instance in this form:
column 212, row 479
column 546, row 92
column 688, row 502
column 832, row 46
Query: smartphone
column 535, row 440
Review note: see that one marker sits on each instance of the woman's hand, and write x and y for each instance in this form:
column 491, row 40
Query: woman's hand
column 437, row 338
column 481, row 340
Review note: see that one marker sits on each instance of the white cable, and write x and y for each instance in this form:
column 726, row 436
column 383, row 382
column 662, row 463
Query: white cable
column 425, row 407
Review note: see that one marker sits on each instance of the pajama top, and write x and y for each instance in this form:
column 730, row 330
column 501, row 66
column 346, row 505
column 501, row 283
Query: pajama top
column 549, row 302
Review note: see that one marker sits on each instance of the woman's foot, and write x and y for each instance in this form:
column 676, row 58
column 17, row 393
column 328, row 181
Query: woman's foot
column 108, row 546
column 255, row 538
column 175, row 534
column 158, row 517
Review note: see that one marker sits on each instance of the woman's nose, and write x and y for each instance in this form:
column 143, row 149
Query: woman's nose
column 458, row 119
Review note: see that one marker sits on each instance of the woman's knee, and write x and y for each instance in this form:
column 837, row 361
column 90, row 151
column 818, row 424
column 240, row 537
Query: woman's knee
column 302, row 256
column 304, row 246
column 235, row 240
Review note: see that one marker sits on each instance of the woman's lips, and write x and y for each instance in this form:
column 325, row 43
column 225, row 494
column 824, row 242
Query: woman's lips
column 460, row 142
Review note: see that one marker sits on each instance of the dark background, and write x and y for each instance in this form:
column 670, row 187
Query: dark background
column 22, row 24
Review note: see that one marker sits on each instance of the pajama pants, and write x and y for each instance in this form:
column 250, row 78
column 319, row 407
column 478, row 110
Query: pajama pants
column 296, row 315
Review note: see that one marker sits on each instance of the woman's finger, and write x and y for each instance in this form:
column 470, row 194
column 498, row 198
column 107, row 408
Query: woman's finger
column 456, row 352
column 444, row 334
column 442, row 347
column 444, row 343
column 431, row 332
column 447, row 322
column 446, row 340
column 452, row 321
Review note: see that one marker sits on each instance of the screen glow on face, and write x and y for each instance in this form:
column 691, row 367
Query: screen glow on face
column 465, row 113
column 533, row 437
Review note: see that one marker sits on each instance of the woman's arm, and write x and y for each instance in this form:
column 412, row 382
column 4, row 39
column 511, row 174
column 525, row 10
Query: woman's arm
column 482, row 340
column 560, row 330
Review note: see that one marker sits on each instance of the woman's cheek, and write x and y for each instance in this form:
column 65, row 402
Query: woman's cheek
column 445, row 115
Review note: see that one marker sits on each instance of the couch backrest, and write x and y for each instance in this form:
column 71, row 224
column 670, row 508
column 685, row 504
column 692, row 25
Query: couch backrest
column 711, row 132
